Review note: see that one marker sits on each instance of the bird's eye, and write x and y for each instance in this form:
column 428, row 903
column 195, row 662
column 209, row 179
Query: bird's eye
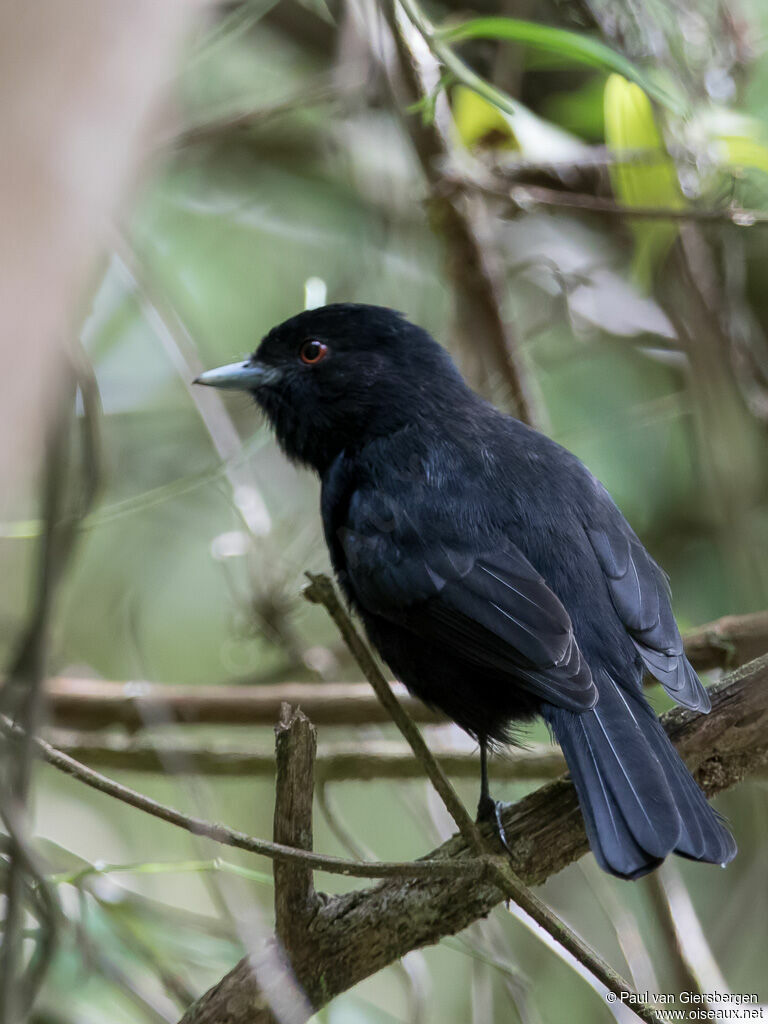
column 313, row 351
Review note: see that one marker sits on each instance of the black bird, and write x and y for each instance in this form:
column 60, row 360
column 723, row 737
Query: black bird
column 492, row 571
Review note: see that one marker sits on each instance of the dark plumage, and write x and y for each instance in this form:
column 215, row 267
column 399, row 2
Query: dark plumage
column 492, row 571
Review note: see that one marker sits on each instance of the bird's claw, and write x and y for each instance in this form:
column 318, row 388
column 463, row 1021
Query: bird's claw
column 489, row 809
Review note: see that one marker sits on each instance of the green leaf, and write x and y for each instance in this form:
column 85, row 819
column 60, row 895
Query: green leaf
column 571, row 45
column 631, row 127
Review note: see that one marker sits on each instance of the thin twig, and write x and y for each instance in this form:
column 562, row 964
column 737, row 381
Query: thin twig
column 684, row 979
column 344, row 835
column 524, row 197
column 96, row 959
column 22, row 692
column 702, row 973
column 231, row 837
column 182, row 352
column 131, row 938
column 625, row 927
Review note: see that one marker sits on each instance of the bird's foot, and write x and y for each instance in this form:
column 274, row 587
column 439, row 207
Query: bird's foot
column 490, row 810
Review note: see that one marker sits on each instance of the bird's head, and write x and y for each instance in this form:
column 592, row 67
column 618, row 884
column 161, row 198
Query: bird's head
column 333, row 378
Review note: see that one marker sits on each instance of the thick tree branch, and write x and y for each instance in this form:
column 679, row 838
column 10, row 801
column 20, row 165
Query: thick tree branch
column 97, row 704
column 359, row 933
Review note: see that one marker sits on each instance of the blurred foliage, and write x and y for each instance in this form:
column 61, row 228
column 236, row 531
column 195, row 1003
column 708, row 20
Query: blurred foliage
column 287, row 162
column 567, row 46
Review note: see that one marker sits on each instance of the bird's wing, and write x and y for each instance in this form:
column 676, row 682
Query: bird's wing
column 492, row 609
column 641, row 596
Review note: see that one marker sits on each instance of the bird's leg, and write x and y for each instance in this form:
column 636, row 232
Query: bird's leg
column 488, row 808
column 486, row 804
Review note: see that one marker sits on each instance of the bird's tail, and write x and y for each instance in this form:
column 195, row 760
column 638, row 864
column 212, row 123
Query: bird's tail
column 638, row 799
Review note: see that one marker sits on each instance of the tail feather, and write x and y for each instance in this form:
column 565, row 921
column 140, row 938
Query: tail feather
column 611, row 841
column 636, row 780
column 639, row 801
column 705, row 835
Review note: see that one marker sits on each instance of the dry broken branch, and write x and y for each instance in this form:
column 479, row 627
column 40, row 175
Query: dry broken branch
column 295, row 898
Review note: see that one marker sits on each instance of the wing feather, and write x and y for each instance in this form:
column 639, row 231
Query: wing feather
column 640, row 595
column 493, row 609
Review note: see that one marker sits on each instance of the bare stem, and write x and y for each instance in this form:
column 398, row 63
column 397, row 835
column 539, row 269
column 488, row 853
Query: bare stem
column 473, row 264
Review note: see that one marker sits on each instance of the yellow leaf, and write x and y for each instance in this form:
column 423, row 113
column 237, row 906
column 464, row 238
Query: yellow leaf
column 631, row 126
column 479, row 123
column 744, row 154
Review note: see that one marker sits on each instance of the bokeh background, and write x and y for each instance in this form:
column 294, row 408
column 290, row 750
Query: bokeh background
column 282, row 171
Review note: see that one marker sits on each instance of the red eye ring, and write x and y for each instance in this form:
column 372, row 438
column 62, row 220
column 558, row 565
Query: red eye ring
column 313, row 351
